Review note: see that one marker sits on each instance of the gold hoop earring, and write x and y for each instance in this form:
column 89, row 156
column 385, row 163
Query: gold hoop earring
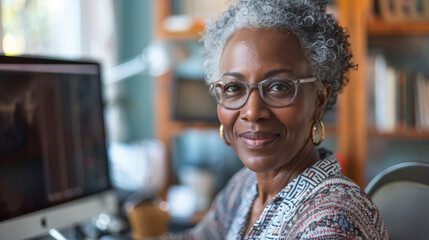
column 313, row 133
column 222, row 135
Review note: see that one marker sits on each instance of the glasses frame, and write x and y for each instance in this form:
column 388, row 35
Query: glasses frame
column 249, row 86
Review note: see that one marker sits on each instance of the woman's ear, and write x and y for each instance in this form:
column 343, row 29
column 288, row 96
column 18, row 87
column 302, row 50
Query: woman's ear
column 323, row 96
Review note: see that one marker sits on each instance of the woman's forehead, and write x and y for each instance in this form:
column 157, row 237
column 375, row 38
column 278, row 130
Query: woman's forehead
column 263, row 48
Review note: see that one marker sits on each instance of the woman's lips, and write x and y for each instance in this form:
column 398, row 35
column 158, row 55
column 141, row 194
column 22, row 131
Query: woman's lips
column 258, row 139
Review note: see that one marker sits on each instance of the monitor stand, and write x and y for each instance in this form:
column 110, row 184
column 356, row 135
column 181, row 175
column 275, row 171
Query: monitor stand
column 56, row 234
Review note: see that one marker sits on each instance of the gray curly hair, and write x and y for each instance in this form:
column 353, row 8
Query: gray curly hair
column 324, row 42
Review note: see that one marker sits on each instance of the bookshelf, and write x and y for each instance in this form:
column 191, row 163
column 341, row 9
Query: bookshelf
column 167, row 128
column 353, row 102
column 351, row 130
column 368, row 30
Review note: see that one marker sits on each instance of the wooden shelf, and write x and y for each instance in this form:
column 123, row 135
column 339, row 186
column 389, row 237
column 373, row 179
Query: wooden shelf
column 177, row 127
column 190, row 34
column 403, row 134
column 378, row 27
column 194, row 32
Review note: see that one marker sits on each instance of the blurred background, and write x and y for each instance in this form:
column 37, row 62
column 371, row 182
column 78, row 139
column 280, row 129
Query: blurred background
column 161, row 120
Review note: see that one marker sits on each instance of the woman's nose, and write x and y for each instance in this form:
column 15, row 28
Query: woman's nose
column 255, row 108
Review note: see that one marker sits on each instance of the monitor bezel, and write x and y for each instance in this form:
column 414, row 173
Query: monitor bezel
column 70, row 213
column 62, row 216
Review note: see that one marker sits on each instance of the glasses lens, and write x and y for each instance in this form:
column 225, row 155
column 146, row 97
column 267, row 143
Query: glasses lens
column 231, row 94
column 279, row 92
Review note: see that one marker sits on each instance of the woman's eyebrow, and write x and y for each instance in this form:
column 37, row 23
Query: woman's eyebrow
column 233, row 74
column 277, row 71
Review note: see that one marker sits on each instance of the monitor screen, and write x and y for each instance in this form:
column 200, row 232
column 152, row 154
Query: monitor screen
column 192, row 101
column 52, row 141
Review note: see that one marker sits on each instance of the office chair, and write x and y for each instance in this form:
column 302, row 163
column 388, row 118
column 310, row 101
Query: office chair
column 401, row 193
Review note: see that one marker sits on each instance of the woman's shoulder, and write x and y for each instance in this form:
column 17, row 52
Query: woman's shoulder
column 340, row 192
column 338, row 207
column 340, row 187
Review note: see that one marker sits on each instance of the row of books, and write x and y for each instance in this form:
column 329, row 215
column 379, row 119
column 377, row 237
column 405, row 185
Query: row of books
column 400, row 10
column 189, row 16
column 198, row 8
column 398, row 98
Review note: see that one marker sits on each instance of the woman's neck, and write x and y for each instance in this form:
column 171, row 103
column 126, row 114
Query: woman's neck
column 272, row 182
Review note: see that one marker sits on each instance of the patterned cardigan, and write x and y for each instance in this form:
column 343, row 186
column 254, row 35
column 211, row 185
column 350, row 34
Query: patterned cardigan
column 320, row 203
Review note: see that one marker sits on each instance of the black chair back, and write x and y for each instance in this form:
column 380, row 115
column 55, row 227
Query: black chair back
column 401, row 193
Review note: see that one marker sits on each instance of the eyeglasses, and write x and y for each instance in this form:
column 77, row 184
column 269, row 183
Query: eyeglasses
column 275, row 92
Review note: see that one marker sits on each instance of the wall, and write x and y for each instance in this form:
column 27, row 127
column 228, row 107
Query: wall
column 134, row 24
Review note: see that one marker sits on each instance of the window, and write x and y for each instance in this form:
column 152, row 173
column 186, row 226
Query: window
column 59, row 28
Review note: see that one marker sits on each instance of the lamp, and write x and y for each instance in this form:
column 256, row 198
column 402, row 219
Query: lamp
column 155, row 59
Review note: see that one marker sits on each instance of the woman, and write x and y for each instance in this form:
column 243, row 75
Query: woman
column 274, row 67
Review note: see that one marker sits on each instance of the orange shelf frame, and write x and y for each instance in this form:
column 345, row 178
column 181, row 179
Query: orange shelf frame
column 409, row 134
column 379, row 27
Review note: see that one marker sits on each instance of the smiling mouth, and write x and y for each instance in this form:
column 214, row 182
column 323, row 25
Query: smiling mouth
column 258, row 139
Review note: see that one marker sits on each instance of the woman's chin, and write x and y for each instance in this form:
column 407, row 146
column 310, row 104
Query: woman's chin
column 260, row 164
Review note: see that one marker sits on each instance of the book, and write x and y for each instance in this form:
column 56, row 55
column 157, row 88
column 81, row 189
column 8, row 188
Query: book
column 426, row 106
column 402, row 10
column 371, row 87
column 410, row 106
column 419, row 8
column 422, row 111
column 380, row 82
column 203, row 8
column 391, row 96
column 387, row 9
column 411, row 9
column 402, row 78
column 425, row 5
column 385, row 95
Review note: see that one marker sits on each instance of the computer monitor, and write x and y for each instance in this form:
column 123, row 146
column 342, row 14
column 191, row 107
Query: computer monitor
column 185, row 108
column 53, row 162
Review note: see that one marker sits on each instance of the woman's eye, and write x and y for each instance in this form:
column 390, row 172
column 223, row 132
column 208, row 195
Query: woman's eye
column 277, row 87
column 231, row 88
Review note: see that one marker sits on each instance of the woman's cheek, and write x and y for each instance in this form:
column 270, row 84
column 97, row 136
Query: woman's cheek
column 227, row 119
